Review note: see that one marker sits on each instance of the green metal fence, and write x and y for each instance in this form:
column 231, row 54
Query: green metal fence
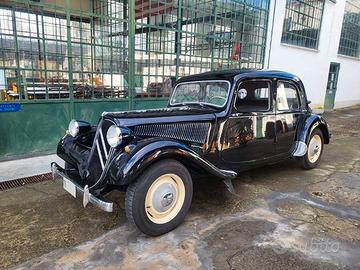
column 78, row 58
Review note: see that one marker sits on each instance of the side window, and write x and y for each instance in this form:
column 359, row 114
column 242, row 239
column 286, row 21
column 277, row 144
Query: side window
column 253, row 96
column 287, row 97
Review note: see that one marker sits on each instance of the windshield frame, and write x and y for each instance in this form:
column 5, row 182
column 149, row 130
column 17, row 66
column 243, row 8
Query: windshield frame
column 203, row 103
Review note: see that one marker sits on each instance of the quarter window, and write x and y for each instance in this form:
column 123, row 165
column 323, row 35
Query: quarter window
column 253, row 96
column 302, row 23
column 287, row 97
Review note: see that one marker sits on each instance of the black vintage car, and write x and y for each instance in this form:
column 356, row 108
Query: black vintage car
column 218, row 123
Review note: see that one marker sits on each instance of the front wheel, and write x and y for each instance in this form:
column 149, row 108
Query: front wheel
column 315, row 145
column 158, row 201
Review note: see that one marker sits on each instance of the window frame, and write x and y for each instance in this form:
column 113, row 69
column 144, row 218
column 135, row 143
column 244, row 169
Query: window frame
column 297, row 93
column 344, row 50
column 311, row 17
column 270, row 97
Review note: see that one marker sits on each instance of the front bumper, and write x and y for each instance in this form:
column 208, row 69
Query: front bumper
column 100, row 202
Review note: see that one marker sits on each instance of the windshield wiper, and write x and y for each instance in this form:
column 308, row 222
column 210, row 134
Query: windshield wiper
column 196, row 104
column 180, row 105
column 204, row 105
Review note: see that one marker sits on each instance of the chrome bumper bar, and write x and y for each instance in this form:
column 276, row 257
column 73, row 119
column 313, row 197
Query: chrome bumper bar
column 102, row 203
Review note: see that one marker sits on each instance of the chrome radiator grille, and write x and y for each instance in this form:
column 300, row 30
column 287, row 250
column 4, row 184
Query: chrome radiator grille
column 100, row 155
column 191, row 132
column 101, row 149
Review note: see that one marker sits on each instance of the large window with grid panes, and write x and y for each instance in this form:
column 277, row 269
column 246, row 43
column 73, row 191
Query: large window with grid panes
column 92, row 49
column 302, row 23
column 350, row 33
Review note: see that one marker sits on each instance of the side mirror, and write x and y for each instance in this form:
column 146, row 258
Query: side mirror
column 308, row 102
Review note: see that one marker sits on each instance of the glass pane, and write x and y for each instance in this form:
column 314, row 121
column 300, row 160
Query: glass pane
column 302, row 23
column 172, row 42
column 253, row 96
column 44, row 60
column 287, row 97
column 206, row 92
column 350, row 34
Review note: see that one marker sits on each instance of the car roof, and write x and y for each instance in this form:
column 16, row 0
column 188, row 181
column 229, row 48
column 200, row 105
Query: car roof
column 236, row 74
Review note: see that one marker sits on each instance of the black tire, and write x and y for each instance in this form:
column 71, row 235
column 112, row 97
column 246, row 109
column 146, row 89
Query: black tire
column 305, row 162
column 137, row 191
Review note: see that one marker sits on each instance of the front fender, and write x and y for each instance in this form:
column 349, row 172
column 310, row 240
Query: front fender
column 142, row 157
column 311, row 123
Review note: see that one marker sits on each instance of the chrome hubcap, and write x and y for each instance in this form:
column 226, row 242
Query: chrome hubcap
column 314, row 149
column 165, row 198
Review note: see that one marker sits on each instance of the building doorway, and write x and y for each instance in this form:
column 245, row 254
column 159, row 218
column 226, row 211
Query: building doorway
column 331, row 86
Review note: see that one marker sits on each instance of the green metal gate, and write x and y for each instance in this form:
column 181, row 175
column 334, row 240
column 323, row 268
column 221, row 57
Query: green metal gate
column 63, row 59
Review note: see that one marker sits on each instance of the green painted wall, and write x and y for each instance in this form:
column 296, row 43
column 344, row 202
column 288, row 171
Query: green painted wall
column 38, row 127
column 35, row 129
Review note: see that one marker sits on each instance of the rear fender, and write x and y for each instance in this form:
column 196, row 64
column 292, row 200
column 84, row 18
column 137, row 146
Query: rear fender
column 310, row 123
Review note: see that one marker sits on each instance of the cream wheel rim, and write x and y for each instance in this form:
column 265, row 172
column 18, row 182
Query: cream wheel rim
column 314, row 148
column 165, row 198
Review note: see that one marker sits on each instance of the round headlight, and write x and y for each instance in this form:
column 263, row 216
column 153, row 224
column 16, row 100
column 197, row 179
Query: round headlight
column 114, row 136
column 73, row 128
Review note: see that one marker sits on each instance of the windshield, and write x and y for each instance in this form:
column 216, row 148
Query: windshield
column 213, row 93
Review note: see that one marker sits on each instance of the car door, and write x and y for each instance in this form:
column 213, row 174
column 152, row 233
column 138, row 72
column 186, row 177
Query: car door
column 288, row 115
column 248, row 135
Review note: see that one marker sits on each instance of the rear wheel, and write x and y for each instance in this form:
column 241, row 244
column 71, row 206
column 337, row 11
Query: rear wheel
column 159, row 200
column 315, row 145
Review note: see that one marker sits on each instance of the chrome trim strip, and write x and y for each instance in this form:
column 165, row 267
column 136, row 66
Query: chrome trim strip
column 103, row 143
column 102, row 203
column 105, row 170
column 300, row 149
column 100, row 154
column 94, row 144
column 229, row 173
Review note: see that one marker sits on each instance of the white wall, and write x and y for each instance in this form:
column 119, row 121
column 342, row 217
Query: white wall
column 312, row 66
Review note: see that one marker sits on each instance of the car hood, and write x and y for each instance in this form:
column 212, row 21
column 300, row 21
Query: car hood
column 164, row 115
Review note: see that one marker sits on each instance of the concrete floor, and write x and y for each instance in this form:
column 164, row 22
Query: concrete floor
column 19, row 168
column 281, row 217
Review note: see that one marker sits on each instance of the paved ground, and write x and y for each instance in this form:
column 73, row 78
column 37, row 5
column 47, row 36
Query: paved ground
column 19, row 168
column 281, row 218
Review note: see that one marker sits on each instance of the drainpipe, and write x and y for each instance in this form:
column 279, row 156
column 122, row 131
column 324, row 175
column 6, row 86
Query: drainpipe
column 271, row 34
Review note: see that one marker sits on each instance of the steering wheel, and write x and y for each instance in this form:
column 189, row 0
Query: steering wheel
column 216, row 97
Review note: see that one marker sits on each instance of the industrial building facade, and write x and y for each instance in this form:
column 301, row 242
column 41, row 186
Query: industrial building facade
column 62, row 59
column 318, row 40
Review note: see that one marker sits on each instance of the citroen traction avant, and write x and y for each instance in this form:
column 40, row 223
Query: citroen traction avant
column 218, row 123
